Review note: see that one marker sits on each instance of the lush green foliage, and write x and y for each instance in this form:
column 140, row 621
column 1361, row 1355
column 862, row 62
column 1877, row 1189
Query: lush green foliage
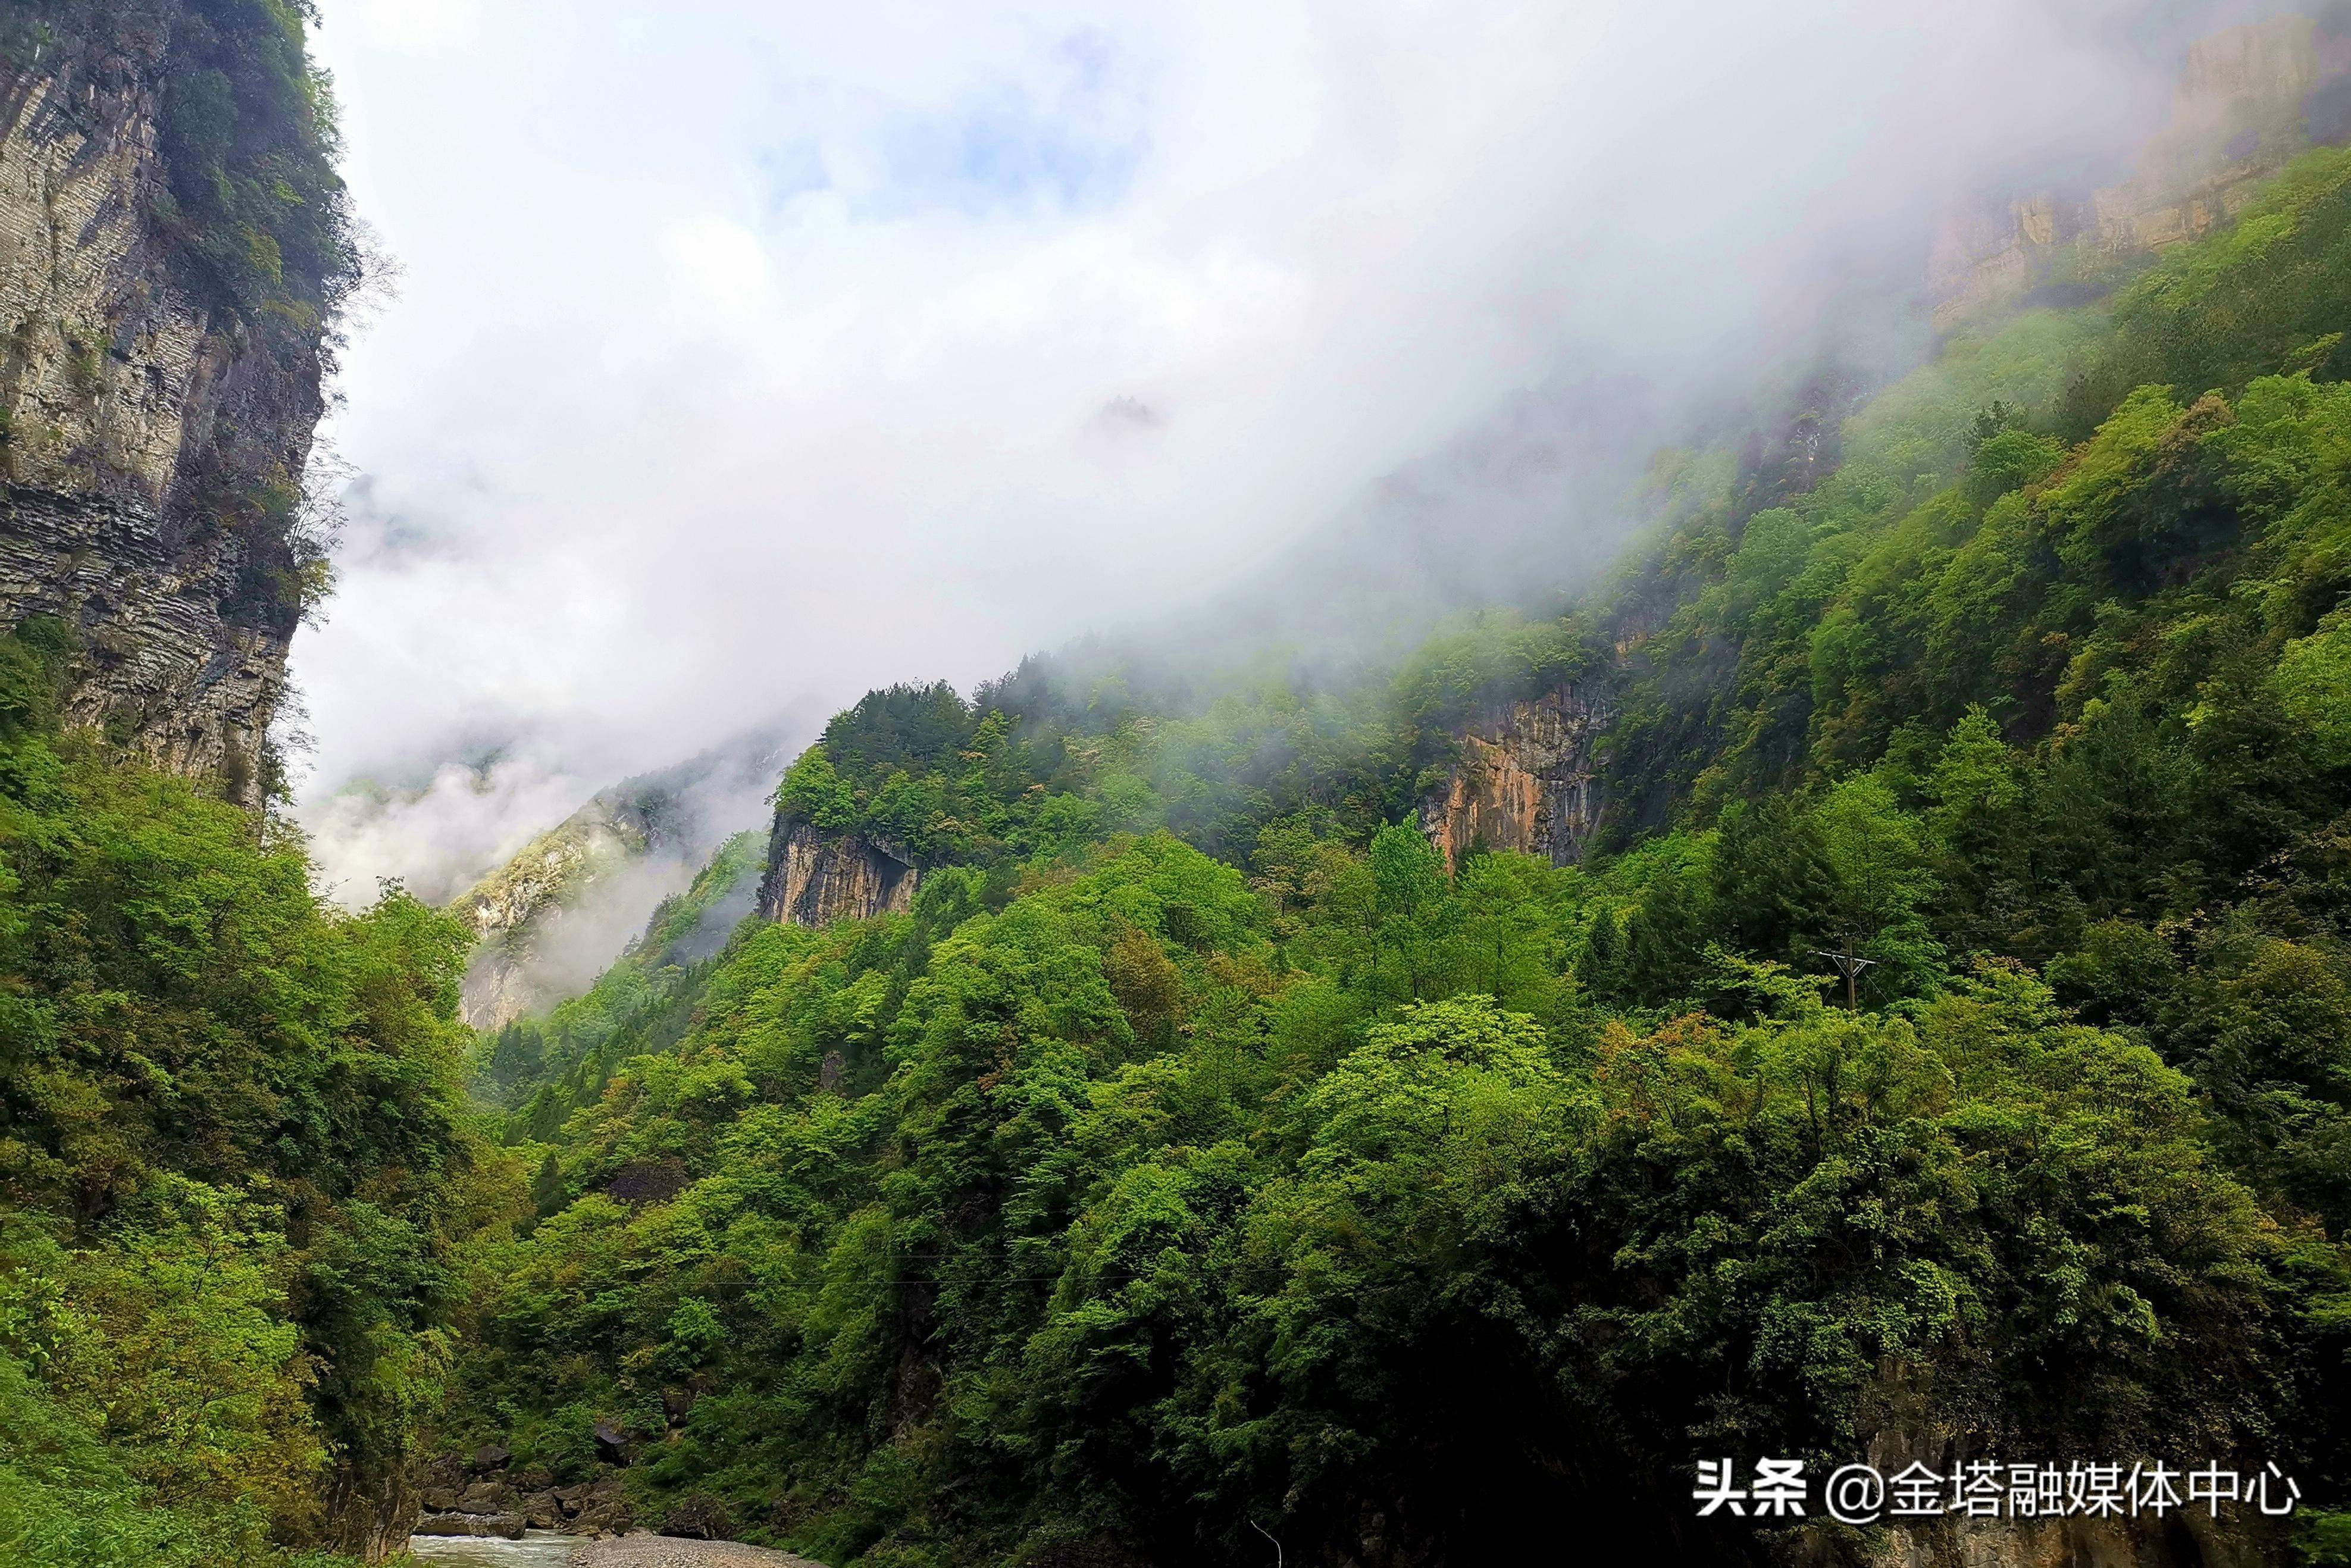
column 234, row 1154
column 550, row 1065
column 1120, row 1204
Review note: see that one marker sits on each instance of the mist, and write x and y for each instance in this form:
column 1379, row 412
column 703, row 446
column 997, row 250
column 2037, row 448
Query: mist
column 747, row 357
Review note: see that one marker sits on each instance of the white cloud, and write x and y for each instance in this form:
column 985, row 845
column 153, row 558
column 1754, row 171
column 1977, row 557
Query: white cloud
column 418, row 27
column 719, row 266
column 752, row 353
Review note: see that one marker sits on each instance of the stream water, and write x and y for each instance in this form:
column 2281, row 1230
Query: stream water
column 536, row 1549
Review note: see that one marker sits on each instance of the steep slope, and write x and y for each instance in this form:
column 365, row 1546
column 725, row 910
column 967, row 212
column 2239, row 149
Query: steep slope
column 550, row 918
column 1204, row 1156
column 165, row 321
column 236, row 1157
column 2248, row 101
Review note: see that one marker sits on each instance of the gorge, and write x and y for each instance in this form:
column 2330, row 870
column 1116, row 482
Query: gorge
column 1863, row 984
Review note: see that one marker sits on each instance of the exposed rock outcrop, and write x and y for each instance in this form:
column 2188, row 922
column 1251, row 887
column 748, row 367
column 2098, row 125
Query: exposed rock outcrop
column 1523, row 779
column 510, row 908
column 552, row 911
column 2247, row 99
column 815, row 878
column 152, row 446
column 494, row 1526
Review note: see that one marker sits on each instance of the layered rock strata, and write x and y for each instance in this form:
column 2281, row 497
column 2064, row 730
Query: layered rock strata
column 150, row 447
column 814, row 878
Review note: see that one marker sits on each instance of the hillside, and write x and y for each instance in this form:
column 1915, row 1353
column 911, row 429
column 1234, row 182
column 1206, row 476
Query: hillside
column 1865, row 980
column 549, row 918
column 1187, row 1149
column 235, row 1153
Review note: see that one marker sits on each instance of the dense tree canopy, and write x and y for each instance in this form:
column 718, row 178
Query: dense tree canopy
column 1204, row 1159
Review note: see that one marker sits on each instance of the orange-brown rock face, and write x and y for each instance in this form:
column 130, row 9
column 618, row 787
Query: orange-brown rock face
column 1523, row 780
column 2242, row 107
column 816, row 878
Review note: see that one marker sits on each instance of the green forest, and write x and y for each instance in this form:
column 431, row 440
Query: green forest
column 1203, row 1157
column 1204, row 1168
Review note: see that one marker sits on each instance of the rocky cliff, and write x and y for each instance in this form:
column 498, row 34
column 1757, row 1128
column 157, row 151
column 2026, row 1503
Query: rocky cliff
column 2247, row 99
column 511, row 909
column 560, row 910
column 1523, row 778
column 151, row 438
column 815, row 878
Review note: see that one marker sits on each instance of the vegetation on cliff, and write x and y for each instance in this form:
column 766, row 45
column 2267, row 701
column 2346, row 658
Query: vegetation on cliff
column 253, row 206
column 1198, row 1161
column 235, row 1157
column 1202, row 1164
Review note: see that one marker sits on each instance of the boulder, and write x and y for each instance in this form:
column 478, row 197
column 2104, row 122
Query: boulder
column 486, row 1497
column 701, row 1517
column 604, row 1516
column 612, row 1442
column 531, row 1478
column 678, row 1403
column 487, row 1457
column 440, row 1482
column 505, row 1526
column 541, row 1509
column 572, row 1499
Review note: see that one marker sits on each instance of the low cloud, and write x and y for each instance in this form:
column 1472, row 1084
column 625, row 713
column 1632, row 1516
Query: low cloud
column 748, row 358
column 438, row 838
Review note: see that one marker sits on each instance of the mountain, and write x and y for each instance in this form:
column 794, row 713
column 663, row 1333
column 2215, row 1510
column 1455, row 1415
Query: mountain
column 168, row 313
column 1863, row 984
column 236, row 1154
column 1866, row 982
column 555, row 913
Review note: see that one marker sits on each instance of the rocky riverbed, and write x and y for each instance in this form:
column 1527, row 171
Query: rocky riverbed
column 644, row 1549
column 483, row 1495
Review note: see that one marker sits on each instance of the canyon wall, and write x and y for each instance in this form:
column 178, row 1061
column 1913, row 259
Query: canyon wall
column 151, row 444
column 1524, row 779
column 2246, row 101
column 815, row 878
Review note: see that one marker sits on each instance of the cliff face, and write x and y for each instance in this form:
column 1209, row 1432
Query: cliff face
column 150, row 456
column 1523, row 779
column 2247, row 100
column 511, row 909
column 815, row 878
column 553, row 916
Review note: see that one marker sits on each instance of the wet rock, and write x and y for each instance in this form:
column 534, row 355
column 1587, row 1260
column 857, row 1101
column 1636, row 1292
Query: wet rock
column 486, row 1498
column 504, row 1526
column 701, row 1518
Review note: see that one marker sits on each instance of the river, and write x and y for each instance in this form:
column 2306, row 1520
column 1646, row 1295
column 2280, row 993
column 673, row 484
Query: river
column 536, row 1549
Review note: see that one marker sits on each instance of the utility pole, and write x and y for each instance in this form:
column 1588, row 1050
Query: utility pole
column 1849, row 966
